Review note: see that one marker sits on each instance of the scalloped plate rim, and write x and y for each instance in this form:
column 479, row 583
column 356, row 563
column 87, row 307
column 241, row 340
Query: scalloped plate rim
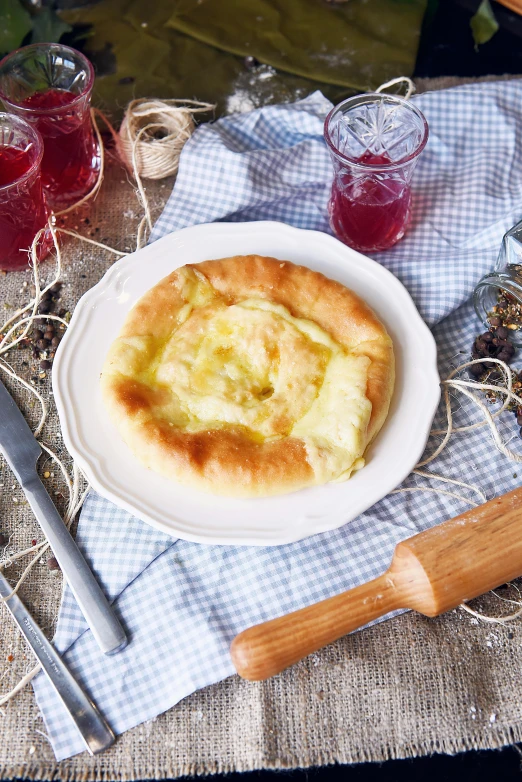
column 302, row 524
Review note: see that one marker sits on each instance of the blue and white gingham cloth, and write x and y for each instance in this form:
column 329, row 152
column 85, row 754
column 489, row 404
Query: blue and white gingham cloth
column 182, row 603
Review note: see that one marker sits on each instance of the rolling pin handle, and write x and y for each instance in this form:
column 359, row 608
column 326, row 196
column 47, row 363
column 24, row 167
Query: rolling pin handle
column 266, row 649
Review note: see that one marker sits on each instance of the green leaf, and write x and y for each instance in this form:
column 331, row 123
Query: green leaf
column 360, row 43
column 483, row 24
column 15, row 23
column 48, row 27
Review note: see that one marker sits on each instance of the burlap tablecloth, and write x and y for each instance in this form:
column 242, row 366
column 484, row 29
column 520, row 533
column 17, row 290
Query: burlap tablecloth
column 411, row 686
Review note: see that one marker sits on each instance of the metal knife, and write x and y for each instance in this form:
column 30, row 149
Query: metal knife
column 94, row 731
column 21, row 450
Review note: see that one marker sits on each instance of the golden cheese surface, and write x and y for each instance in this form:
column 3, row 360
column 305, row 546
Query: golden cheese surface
column 233, row 391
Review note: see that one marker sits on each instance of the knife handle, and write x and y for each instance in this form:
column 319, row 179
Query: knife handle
column 94, row 730
column 105, row 627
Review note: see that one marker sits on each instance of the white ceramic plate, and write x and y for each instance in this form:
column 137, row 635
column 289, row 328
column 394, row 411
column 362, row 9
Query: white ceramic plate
column 186, row 513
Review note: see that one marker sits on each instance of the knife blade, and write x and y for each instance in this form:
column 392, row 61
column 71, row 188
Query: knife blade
column 96, row 734
column 21, row 451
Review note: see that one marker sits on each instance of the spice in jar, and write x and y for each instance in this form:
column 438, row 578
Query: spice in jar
column 507, row 312
column 504, row 319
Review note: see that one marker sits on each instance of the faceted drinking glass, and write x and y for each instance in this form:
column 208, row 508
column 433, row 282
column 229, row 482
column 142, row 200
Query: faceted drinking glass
column 374, row 141
column 23, row 211
column 50, row 86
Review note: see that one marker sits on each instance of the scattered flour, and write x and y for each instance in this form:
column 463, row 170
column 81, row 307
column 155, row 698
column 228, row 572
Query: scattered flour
column 259, row 86
column 240, row 102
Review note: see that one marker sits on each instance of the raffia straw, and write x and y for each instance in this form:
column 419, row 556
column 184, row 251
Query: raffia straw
column 463, row 387
column 180, row 125
column 497, row 620
column 11, row 338
column 410, row 86
column 433, row 476
column 21, row 684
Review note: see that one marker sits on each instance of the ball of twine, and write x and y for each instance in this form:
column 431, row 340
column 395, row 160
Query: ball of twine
column 154, row 132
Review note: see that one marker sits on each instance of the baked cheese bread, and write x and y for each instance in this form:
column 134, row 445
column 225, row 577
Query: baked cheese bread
column 249, row 376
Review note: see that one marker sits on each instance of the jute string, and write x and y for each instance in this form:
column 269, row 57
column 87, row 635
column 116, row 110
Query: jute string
column 410, row 86
column 152, row 135
column 148, row 147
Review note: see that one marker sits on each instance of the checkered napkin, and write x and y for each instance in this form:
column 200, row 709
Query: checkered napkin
column 182, row 603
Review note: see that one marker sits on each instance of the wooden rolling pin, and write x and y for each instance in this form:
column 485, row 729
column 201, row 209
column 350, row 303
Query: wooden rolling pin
column 431, row 573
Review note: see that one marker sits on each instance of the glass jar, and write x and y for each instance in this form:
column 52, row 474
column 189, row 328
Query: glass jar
column 504, row 281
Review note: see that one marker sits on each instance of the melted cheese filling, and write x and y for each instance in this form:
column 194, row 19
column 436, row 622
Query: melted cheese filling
column 252, row 364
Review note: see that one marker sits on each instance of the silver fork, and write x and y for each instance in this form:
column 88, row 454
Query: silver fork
column 94, row 730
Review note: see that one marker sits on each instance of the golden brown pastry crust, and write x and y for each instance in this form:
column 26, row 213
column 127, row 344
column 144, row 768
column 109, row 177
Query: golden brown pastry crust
column 228, row 460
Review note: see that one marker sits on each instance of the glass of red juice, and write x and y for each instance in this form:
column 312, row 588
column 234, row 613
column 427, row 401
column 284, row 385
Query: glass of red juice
column 23, row 211
column 50, row 86
column 374, row 141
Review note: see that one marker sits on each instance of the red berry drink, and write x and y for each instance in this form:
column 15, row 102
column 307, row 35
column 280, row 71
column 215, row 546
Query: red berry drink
column 50, row 86
column 23, row 211
column 369, row 212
